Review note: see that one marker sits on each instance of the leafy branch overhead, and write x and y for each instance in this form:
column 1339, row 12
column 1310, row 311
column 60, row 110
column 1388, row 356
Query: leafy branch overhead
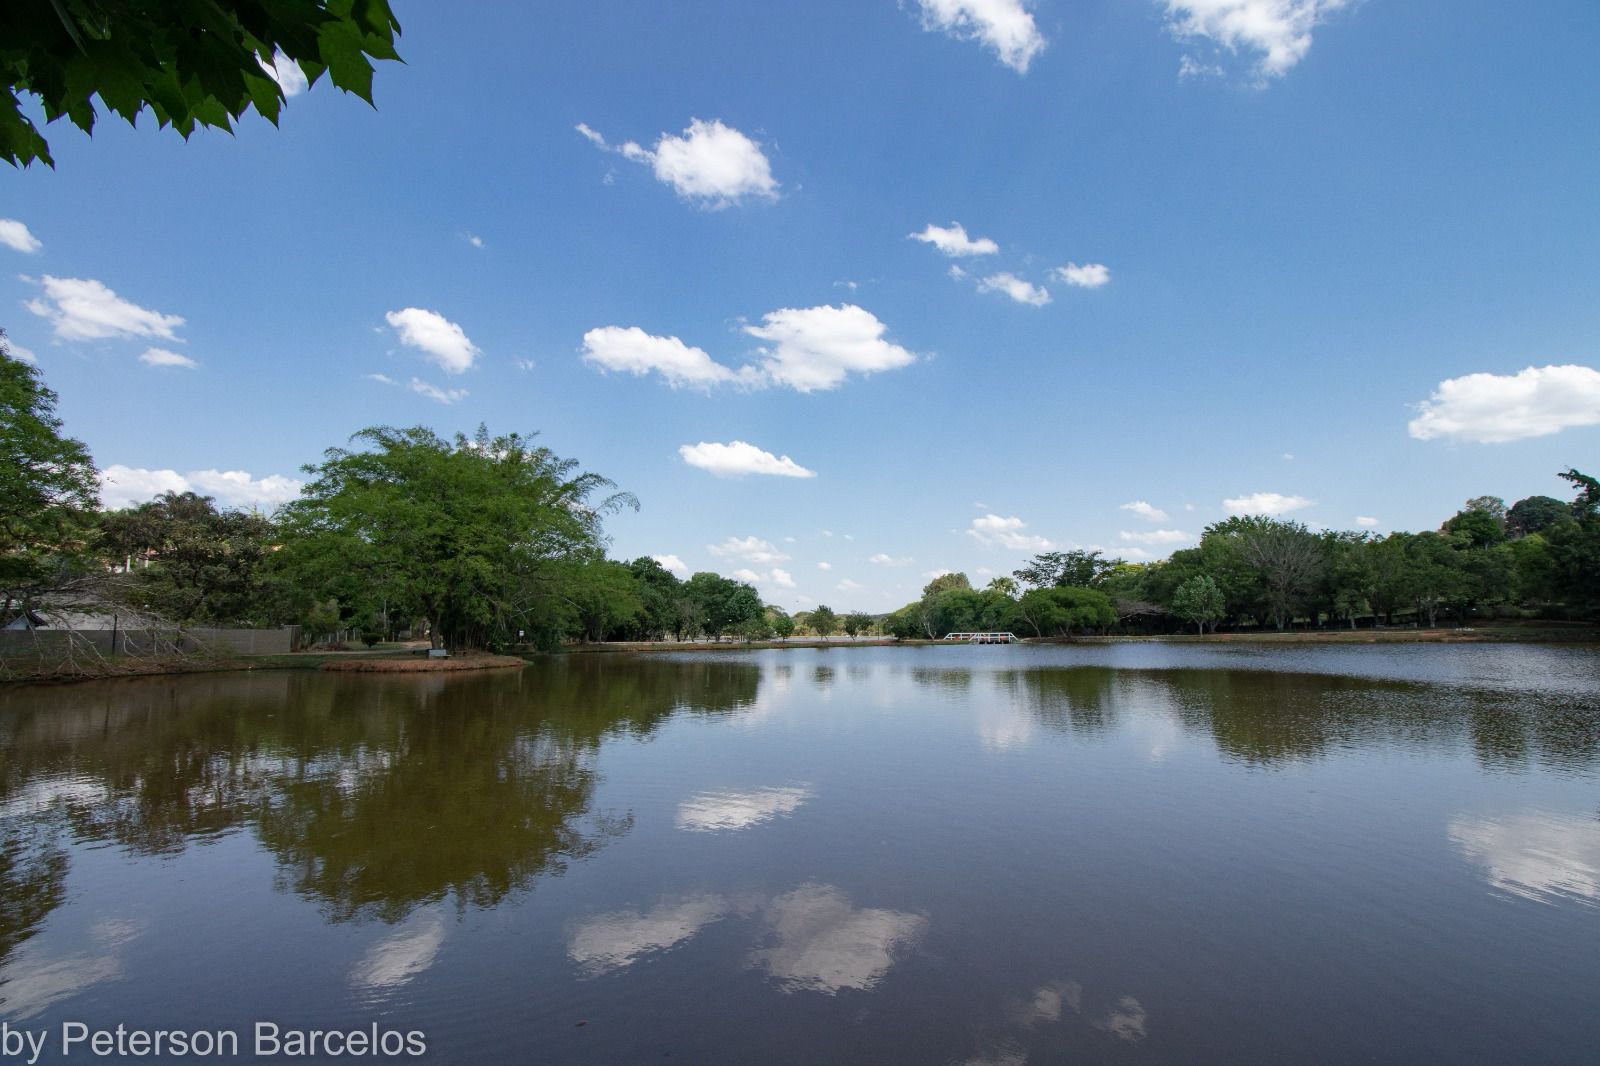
column 191, row 62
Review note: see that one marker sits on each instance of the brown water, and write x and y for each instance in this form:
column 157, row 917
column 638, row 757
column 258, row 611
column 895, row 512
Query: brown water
column 928, row 855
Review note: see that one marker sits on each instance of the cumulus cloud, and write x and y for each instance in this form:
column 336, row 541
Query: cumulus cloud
column 1007, row 532
column 634, row 351
column 748, row 576
column 818, row 941
column 709, row 164
column 953, row 241
column 737, row 458
column 1145, row 511
column 1276, row 32
column 1157, row 536
column 1496, row 408
column 434, row 392
column 885, row 559
column 14, row 234
column 162, row 357
column 82, row 309
column 1005, row 27
column 671, row 562
column 750, row 549
column 1267, row 503
column 816, row 348
column 1087, row 276
column 123, row 486
column 287, row 73
column 781, row 577
column 824, row 566
column 1365, row 521
column 24, row 354
column 1023, row 292
column 438, row 338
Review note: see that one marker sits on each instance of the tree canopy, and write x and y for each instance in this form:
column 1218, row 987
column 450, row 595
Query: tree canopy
column 191, row 62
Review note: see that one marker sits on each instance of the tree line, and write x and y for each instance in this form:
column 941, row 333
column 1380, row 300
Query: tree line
column 487, row 541
column 1537, row 558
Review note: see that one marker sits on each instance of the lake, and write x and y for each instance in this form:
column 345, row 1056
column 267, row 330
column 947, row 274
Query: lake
column 1127, row 853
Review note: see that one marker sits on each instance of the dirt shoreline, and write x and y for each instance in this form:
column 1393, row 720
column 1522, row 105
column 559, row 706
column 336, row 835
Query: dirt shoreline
column 414, row 665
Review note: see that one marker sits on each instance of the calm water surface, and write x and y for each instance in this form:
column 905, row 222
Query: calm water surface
column 1140, row 853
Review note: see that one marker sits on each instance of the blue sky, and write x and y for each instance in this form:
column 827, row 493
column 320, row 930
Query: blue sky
column 1291, row 223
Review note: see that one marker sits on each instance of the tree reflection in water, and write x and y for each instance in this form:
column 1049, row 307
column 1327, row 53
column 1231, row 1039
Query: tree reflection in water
column 375, row 794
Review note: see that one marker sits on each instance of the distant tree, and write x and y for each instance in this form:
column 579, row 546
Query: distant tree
column 823, row 621
column 782, row 624
column 192, row 62
column 1575, row 545
column 1200, row 601
column 1004, row 586
column 1478, row 527
column 1082, row 569
column 659, row 592
column 721, row 604
column 944, row 583
column 1535, row 514
column 1060, row 611
column 1286, row 555
column 48, row 485
column 856, row 623
column 606, row 597
column 756, row 627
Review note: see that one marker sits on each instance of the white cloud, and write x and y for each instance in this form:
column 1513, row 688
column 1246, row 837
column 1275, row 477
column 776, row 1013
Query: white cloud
column 616, row 940
column 1496, row 408
column 1538, row 855
column 14, row 234
column 474, row 240
column 162, row 357
column 634, row 351
column 1365, row 521
column 24, row 354
column 1157, row 536
column 84, row 309
column 122, row 486
column 434, row 392
column 1145, row 511
column 957, row 273
column 1007, row 533
column 818, row 347
column 846, row 585
column 824, row 566
column 1268, row 503
column 1277, row 32
column 382, row 379
column 710, row 164
column 953, row 240
column 750, row 549
column 1288, row 457
column 782, row 578
column 1087, row 276
column 708, row 812
column 1024, row 292
column 931, row 574
column 820, row 942
column 436, row 337
column 736, row 459
column 884, row 559
column 1005, row 27
column 748, row 576
column 401, row 955
column 287, row 73
column 671, row 562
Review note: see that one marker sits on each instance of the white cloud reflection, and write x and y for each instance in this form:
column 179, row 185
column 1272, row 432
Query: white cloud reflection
column 612, row 941
column 399, row 957
column 821, row 943
column 36, row 980
column 708, row 812
column 1536, row 855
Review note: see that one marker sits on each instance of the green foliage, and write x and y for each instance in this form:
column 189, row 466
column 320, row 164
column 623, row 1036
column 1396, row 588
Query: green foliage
column 823, row 621
column 606, row 596
column 1056, row 612
column 191, row 62
column 719, row 604
column 477, row 535
column 48, row 486
column 197, row 563
column 1083, row 569
column 1536, row 514
column 1200, row 601
column 1480, row 527
column 856, row 623
column 945, row 583
column 660, row 593
column 782, row 624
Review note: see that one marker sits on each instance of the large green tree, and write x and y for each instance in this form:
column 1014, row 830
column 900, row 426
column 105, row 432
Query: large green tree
column 474, row 535
column 48, row 485
column 191, row 62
